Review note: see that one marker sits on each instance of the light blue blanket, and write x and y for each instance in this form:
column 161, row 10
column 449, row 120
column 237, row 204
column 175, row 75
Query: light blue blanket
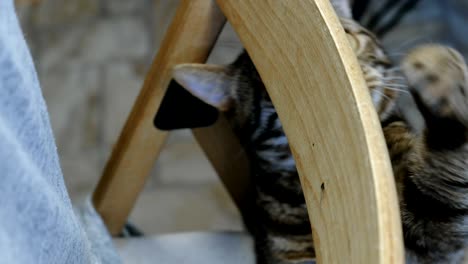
column 37, row 220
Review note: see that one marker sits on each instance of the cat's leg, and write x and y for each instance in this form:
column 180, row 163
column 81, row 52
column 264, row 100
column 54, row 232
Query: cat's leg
column 438, row 79
column 433, row 183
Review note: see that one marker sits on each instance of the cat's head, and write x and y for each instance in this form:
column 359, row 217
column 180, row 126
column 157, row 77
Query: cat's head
column 383, row 80
column 237, row 88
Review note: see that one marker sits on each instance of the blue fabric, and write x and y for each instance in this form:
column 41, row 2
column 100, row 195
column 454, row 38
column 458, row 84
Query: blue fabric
column 37, row 221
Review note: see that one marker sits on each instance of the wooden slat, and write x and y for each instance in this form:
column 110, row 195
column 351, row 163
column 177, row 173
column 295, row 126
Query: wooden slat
column 190, row 38
column 316, row 84
column 229, row 160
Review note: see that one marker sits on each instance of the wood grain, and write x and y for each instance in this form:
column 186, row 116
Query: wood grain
column 229, row 160
column 316, row 84
column 190, row 38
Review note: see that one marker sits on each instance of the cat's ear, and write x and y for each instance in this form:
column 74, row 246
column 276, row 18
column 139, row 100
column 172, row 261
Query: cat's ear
column 210, row 83
column 342, row 8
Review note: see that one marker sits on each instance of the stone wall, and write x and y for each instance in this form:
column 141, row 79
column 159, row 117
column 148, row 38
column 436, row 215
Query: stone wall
column 91, row 57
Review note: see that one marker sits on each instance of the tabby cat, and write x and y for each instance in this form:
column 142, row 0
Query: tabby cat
column 430, row 166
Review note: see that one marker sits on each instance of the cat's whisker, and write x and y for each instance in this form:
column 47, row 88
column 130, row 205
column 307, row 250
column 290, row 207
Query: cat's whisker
column 384, row 95
column 394, row 78
column 396, row 85
column 394, row 69
column 395, row 89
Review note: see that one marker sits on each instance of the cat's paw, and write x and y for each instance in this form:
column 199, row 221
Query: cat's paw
column 437, row 76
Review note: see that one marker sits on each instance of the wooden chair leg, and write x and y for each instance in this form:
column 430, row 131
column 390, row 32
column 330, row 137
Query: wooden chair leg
column 229, row 160
column 190, row 38
column 313, row 77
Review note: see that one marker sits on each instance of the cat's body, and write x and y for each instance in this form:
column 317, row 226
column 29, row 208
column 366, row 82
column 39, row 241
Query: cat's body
column 279, row 219
column 427, row 177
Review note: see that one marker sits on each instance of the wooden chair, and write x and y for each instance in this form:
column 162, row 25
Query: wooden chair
column 317, row 87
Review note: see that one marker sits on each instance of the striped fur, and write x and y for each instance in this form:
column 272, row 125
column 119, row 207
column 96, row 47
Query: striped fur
column 280, row 220
column 431, row 167
column 431, row 174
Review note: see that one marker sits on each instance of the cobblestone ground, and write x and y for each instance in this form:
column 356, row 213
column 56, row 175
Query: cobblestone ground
column 91, row 57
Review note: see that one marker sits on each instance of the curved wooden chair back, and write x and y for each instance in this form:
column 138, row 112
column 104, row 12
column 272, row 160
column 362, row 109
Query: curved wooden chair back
column 302, row 54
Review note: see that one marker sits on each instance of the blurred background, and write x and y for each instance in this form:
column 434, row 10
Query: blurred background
column 92, row 56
